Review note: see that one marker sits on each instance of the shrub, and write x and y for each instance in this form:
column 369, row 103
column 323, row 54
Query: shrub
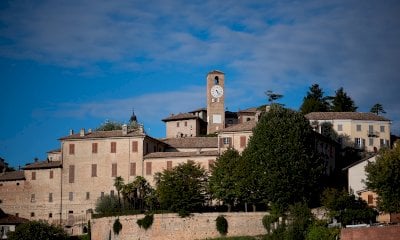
column 38, row 231
column 117, row 226
column 268, row 220
column 222, row 225
column 107, row 204
column 146, row 222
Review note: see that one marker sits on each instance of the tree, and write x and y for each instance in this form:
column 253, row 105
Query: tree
column 383, row 178
column 183, row 188
column 314, row 101
column 342, row 103
column 107, row 204
column 119, row 184
column 346, row 208
column 272, row 96
column 223, row 180
column 109, row 126
column 285, row 166
column 377, row 109
column 38, row 231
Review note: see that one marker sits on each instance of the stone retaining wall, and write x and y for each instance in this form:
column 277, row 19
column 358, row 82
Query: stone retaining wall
column 171, row 226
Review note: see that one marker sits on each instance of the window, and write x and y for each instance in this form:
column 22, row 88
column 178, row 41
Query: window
column 32, row 197
column 383, row 142
column 226, row 141
column 94, row 147
column 382, row 128
column 113, row 147
column 32, row 214
column 51, row 174
column 112, row 193
column 216, row 80
column 358, row 127
column 357, row 142
column 371, row 142
column 102, row 194
column 340, row 127
column 185, row 124
column 370, row 199
column 169, row 165
column 50, row 215
column 177, row 124
column 71, row 173
column 242, row 141
column 50, row 197
column 87, row 195
column 371, row 128
column 94, row 170
column 17, row 214
column 71, row 149
column 71, row 196
column 148, row 168
column 134, row 146
column 114, row 170
column 133, row 169
column 33, row 175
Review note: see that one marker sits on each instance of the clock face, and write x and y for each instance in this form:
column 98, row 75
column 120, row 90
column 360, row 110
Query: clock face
column 217, row 91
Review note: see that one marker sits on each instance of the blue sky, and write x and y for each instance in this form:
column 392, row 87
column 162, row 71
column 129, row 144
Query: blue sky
column 75, row 64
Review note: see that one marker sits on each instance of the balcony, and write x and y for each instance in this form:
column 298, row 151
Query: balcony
column 373, row 134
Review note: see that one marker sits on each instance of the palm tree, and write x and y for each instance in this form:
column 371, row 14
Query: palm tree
column 119, row 184
column 377, row 109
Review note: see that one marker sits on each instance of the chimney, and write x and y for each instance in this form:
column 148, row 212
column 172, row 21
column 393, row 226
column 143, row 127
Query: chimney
column 89, row 130
column 71, row 132
column 82, row 132
column 124, row 129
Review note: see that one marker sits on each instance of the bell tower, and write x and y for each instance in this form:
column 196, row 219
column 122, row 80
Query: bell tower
column 215, row 101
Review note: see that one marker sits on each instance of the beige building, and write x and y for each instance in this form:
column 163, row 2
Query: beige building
column 365, row 131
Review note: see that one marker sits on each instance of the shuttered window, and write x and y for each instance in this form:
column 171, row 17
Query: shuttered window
column 134, row 146
column 33, row 175
column 94, row 170
column 71, row 173
column 243, row 141
column 114, row 170
column 113, row 147
column 51, row 174
column 148, row 168
column 71, row 149
column 94, row 147
column 133, row 169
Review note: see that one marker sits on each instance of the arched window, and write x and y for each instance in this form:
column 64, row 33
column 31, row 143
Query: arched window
column 216, row 80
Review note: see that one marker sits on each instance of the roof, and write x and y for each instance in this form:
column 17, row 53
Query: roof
column 215, row 71
column 12, row 176
column 181, row 154
column 54, row 150
column 180, row 116
column 246, row 126
column 43, row 165
column 192, row 142
column 249, row 110
column 367, row 158
column 103, row 134
column 344, row 115
column 199, row 110
column 7, row 219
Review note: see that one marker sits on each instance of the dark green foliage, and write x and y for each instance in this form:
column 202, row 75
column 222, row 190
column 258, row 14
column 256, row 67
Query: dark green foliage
column 109, row 126
column 346, row 208
column 377, row 109
column 280, row 164
column 107, row 205
column 146, row 222
column 182, row 189
column 315, row 101
column 223, row 177
column 117, row 226
column 320, row 231
column 38, row 231
column 268, row 220
column 222, row 225
column 383, row 177
column 328, row 131
column 300, row 218
column 139, row 195
column 341, row 102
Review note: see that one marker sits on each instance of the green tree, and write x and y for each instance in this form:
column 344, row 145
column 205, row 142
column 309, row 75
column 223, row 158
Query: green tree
column 300, row 218
column 341, row 102
column 377, row 109
column 119, row 184
column 223, row 178
column 109, row 126
column 107, row 204
column 284, row 164
column 346, row 208
column 383, row 177
column 272, row 96
column 38, row 231
column 314, row 101
column 183, row 188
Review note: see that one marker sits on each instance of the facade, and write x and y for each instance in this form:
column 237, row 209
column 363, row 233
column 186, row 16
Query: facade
column 366, row 131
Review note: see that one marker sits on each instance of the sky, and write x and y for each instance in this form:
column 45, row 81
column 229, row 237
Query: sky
column 76, row 64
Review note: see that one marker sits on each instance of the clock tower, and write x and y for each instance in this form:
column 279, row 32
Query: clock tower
column 215, row 101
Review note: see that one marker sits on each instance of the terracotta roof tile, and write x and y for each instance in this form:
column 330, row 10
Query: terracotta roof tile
column 43, row 165
column 12, row 176
column 249, row 110
column 180, row 116
column 192, row 142
column 103, row 134
column 344, row 115
column 199, row 110
column 246, row 126
column 180, row 154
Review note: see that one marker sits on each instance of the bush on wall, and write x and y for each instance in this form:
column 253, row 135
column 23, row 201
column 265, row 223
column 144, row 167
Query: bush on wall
column 145, row 222
column 222, row 225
